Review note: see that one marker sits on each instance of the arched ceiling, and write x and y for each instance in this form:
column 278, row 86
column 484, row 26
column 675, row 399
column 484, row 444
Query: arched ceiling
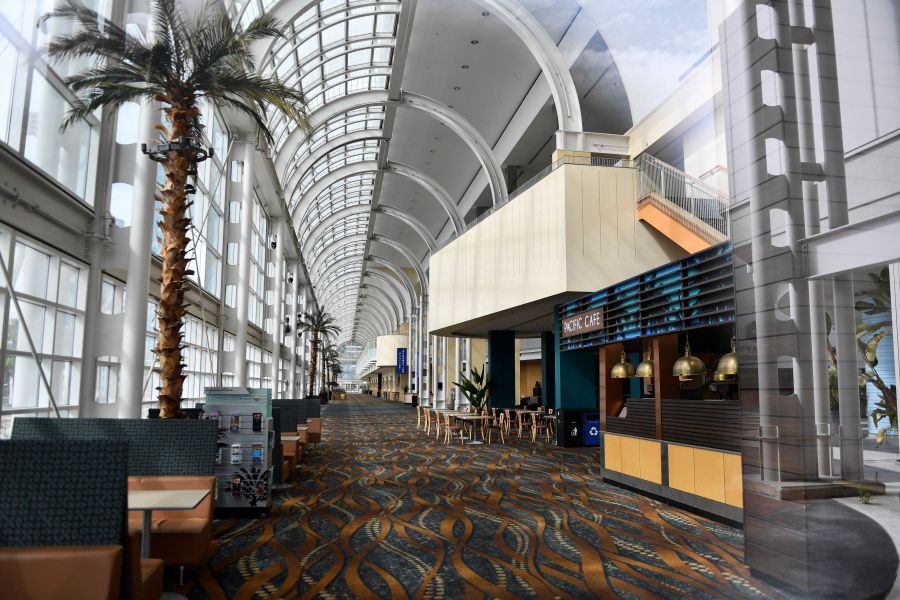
column 373, row 190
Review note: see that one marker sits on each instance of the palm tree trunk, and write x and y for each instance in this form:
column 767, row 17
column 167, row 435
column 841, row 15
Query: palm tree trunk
column 174, row 226
column 313, row 357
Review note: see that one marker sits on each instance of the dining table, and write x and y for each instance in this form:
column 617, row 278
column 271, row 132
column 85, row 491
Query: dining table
column 150, row 500
column 473, row 418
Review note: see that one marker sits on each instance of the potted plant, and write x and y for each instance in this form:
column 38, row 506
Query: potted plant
column 319, row 324
column 475, row 390
column 192, row 58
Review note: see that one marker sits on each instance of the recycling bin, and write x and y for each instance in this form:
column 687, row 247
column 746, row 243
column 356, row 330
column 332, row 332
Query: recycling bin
column 591, row 429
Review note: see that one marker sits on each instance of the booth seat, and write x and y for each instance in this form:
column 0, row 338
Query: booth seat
column 180, row 537
column 71, row 572
column 314, row 430
column 145, row 574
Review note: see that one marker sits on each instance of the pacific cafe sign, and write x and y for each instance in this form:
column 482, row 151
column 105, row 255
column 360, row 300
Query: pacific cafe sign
column 585, row 322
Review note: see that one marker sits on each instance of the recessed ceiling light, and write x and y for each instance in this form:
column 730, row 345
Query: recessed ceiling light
column 474, row 42
column 485, row 14
column 464, row 67
column 457, row 88
column 431, row 152
column 437, row 137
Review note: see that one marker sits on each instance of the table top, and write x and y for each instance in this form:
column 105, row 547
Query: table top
column 472, row 417
column 290, row 438
column 165, row 499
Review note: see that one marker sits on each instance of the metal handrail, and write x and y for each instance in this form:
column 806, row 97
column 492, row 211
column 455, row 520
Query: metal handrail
column 694, row 197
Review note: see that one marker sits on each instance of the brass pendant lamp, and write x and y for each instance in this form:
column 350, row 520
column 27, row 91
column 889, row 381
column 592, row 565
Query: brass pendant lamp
column 622, row 369
column 688, row 366
column 727, row 367
column 646, row 367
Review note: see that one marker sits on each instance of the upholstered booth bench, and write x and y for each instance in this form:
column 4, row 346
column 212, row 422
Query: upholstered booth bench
column 162, row 454
column 62, row 525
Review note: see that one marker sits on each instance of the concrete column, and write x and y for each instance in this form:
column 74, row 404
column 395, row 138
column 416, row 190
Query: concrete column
column 411, row 353
column 242, row 303
column 278, row 313
column 549, row 349
column 894, row 271
column 848, row 379
column 295, row 308
column 458, row 344
column 445, row 369
column 468, row 370
column 502, row 368
column 140, row 244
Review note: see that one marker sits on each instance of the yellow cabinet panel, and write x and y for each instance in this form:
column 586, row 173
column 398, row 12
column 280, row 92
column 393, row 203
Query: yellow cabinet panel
column 612, row 452
column 631, row 456
column 709, row 474
column 734, row 480
column 651, row 461
column 681, row 468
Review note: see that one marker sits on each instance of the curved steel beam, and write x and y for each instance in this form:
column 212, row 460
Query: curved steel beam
column 345, row 172
column 311, row 159
column 444, row 114
column 398, row 273
column 413, row 223
column 344, row 242
column 430, row 185
column 404, row 251
column 401, row 292
column 381, row 282
column 427, row 183
column 547, row 55
column 377, row 301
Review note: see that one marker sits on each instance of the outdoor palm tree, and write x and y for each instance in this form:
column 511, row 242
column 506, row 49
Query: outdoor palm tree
column 319, row 324
column 188, row 58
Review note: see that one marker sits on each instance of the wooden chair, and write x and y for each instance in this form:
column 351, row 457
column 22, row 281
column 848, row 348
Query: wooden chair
column 523, row 423
column 538, row 426
column 508, row 420
column 451, row 428
column 418, row 417
column 427, row 415
column 551, row 422
column 499, row 425
column 437, row 423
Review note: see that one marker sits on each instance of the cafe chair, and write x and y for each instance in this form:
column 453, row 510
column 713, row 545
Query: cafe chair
column 539, row 426
column 523, row 423
column 179, row 537
column 427, row 414
column 498, row 425
column 437, row 423
column 452, row 428
column 508, row 421
column 418, row 417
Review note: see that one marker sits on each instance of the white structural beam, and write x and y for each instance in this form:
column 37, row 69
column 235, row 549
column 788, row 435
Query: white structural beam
column 548, row 56
column 854, row 246
column 576, row 39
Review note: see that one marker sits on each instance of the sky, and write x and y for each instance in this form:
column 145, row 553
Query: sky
column 654, row 42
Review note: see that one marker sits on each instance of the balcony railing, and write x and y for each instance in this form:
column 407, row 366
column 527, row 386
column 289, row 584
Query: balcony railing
column 695, row 199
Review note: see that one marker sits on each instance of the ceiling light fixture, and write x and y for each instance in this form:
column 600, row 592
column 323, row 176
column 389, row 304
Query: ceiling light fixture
column 485, row 14
column 457, row 88
column 464, row 67
column 474, row 42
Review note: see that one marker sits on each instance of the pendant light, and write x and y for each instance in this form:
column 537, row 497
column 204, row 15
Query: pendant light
column 688, row 366
column 622, row 369
column 646, row 367
column 727, row 367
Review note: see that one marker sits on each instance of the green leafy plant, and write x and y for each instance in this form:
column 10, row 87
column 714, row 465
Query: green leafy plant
column 476, row 389
column 875, row 302
column 319, row 324
column 191, row 58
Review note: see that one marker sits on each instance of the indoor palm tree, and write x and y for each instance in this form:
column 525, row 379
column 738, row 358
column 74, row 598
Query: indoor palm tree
column 329, row 358
column 319, row 324
column 188, row 58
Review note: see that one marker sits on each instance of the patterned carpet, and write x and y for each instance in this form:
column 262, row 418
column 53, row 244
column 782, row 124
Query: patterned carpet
column 382, row 511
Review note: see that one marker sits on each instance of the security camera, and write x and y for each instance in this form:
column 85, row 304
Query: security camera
column 273, row 242
column 290, row 278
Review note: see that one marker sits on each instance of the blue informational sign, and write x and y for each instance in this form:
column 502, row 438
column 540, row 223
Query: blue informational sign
column 402, row 367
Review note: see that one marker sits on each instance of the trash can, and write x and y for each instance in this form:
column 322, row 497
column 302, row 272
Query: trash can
column 591, row 429
column 571, row 426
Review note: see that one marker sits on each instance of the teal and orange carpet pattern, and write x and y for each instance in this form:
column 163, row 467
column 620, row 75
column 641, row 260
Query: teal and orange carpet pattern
column 379, row 510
